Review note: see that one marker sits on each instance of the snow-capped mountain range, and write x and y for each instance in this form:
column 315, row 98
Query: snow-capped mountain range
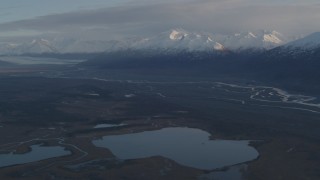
column 175, row 39
column 253, row 40
column 179, row 39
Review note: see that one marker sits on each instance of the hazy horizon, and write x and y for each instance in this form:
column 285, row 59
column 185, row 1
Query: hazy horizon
column 123, row 18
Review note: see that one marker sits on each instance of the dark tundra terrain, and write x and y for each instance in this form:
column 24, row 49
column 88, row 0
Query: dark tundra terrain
column 273, row 103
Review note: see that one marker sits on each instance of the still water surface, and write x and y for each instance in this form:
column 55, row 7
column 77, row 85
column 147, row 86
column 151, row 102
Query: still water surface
column 187, row 146
column 37, row 153
column 108, row 125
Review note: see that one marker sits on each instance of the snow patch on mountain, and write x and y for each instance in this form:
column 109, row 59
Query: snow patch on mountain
column 177, row 40
column 218, row 46
column 273, row 37
column 177, row 35
column 252, row 40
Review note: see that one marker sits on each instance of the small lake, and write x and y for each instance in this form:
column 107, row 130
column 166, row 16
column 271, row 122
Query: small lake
column 187, row 146
column 37, row 153
column 108, row 125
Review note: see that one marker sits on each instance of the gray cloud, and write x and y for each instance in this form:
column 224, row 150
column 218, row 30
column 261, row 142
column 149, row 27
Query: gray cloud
column 219, row 16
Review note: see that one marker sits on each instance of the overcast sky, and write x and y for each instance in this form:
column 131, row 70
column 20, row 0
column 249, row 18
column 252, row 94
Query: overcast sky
column 117, row 18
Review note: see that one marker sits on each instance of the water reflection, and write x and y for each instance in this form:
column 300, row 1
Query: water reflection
column 187, row 146
column 108, row 125
column 37, row 153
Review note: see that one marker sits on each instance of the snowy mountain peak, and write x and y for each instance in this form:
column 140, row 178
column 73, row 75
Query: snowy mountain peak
column 40, row 41
column 177, row 40
column 177, row 34
column 266, row 36
column 38, row 46
column 272, row 38
column 261, row 39
column 218, row 46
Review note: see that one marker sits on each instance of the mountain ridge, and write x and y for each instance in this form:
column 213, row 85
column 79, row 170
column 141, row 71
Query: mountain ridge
column 171, row 40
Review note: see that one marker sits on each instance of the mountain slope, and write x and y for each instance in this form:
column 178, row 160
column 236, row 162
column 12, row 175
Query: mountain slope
column 311, row 41
column 307, row 48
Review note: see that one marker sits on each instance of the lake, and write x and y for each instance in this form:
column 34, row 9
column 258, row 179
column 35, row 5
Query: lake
column 37, row 153
column 187, row 146
column 108, row 125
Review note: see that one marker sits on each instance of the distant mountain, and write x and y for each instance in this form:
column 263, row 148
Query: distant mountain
column 288, row 65
column 253, row 40
column 309, row 42
column 170, row 41
column 36, row 46
column 179, row 39
column 71, row 45
column 307, row 48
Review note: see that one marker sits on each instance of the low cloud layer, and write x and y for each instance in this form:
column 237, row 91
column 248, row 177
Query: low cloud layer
column 216, row 16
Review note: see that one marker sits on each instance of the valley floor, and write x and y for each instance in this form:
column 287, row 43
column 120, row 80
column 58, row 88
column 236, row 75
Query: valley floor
column 56, row 106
